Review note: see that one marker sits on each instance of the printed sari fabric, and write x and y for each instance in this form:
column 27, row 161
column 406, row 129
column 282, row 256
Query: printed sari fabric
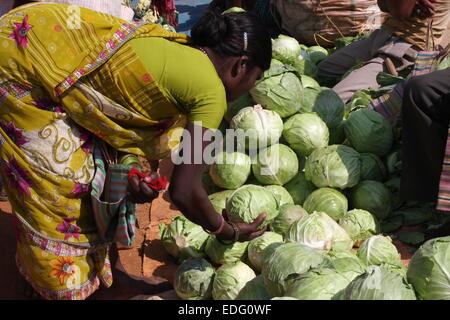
column 66, row 80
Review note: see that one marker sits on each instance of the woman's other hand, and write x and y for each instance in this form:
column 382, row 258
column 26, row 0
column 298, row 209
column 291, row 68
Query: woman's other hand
column 424, row 9
column 139, row 191
column 402, row 9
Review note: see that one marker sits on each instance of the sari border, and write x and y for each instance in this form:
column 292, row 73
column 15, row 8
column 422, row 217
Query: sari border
column 119, row 38
column 56, row 246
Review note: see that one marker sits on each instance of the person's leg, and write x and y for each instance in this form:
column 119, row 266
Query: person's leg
column 425, row 118
column 337, row 64
column 362, row 78
column 340, row 62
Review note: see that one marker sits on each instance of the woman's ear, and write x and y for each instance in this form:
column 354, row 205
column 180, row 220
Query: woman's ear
column 240, row 67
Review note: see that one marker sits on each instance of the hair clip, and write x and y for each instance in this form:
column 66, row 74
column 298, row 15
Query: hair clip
column 245, row 41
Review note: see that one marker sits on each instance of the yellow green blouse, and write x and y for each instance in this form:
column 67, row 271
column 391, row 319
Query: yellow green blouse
column 187, row 77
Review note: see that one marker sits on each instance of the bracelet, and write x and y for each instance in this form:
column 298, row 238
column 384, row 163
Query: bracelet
column 236, row 231
column 219, row 229
column 235, row 235
column 130, row 159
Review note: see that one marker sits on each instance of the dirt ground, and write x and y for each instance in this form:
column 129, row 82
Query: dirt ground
column 146, row 258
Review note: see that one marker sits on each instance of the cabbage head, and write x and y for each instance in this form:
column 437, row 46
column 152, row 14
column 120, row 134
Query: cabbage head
column 345, row 262
column 256, row 127
column 277, row 164
column 269, row 250
column 299, row 188
column 326, row 103
column 219, row 199
column 230, row 279
column 249, row 201
column 285, row 260
column 319, row 231
column 194, row 279
column 329, row 107
column 230, row 170
column 372, row 196
column 327, row 200
column 379, row 250
column 335, row 166
column 309, row 98
column 221, row 254
column 359, row 100
column 337, row 134
column 317, row 284
column 254, row 290
column 285, row 48
column 240, row 103
column 305, row 132
column 304, row 65
column 360, row 225
column 276, row 68
column 309, row 82
column 281, row 93
column 429, row 270
column 207, row 183
column 368, row 131
column 379, row 284
column 233, row 9
column 372, row 168
column 282, row 193
column 257, row 246
column 317, row 54
column 288, row 214
column 183, row 239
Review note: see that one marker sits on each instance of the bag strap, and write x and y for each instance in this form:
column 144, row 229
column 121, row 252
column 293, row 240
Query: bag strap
column 109, row 154
column 430, row 36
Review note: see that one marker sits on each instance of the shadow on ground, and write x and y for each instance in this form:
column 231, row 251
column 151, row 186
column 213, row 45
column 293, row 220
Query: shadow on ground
column 154, row 250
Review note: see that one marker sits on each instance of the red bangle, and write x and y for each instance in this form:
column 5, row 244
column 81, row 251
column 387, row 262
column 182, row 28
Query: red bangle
column 218, row 230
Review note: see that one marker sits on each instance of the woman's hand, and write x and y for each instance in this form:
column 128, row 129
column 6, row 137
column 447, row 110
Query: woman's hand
column 424, row 9
column 139, row 191
column 402, row 9
column 383, row 6
column 247, row 231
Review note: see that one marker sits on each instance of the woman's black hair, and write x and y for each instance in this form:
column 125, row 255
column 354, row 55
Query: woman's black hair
column 225, row 34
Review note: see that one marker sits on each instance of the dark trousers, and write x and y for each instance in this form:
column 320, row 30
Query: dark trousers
column 425, row 119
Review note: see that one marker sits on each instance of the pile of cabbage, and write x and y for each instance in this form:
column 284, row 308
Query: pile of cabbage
column 328, row 176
